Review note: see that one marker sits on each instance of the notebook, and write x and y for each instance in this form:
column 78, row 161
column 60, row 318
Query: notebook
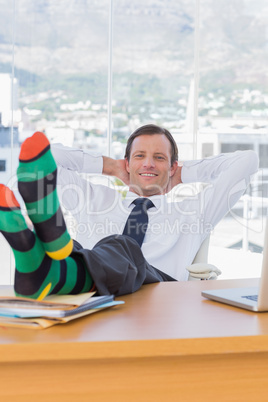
column 253, row 298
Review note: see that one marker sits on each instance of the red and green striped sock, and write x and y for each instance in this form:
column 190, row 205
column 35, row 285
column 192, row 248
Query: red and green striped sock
column 35, row 270
column 37, row 176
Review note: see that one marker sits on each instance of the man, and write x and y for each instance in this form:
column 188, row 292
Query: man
column 115, row 262
column 150, row 168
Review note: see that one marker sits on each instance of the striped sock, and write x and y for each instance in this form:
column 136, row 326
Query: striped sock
column 37, row 176
column 35, row 270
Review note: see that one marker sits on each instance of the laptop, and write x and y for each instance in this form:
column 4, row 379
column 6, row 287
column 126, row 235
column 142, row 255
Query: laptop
column 254, row 298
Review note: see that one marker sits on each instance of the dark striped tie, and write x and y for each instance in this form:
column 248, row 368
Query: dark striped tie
column 137, row 221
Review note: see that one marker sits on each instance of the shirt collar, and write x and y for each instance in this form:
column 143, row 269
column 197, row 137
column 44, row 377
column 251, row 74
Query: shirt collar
column 156, row 199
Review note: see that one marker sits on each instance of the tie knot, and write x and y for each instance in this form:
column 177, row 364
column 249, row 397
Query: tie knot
column 145, row 203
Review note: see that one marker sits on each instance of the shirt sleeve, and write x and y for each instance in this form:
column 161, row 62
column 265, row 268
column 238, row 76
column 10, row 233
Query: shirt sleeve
column 81, row 161
column 73, row 189
column 227, row 175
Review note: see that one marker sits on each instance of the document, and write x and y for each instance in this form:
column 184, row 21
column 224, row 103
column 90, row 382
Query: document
column 30, row 313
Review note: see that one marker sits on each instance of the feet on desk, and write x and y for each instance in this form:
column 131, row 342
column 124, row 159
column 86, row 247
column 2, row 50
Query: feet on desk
column 42, row 256
column 37, row 175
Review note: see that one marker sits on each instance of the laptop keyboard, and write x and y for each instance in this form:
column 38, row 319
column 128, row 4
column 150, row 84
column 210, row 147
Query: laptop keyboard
column 253, row 297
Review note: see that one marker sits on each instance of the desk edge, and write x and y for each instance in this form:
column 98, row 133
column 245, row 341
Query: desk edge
column 41, row 352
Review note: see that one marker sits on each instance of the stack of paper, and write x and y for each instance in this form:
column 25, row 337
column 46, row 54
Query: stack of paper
column 29, row 313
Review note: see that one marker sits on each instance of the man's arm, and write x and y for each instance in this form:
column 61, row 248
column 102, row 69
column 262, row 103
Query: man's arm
column 241, row 163
column 115, row 167
column 77, row 160
column 175, row 179
column 83, row 161
column 228, row 176
column 74, row 190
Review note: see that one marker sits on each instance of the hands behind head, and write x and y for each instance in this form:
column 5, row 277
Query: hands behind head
column 174, row 180
column 117, row 168
column 122, row 173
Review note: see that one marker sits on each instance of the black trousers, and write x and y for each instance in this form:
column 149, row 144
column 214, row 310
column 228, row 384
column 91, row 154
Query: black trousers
column 117, row 265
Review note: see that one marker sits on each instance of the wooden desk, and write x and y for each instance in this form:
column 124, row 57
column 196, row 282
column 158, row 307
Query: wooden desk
column 166, row 343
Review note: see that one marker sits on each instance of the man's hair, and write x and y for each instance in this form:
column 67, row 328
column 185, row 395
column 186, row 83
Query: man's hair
column 152, row 129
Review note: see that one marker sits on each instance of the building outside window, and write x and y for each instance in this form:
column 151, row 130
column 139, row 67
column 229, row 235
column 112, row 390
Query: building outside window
column 2, row 165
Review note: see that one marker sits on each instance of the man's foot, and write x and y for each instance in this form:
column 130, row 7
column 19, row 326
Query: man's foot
column 37, row 176
column 27, row 250
column 12, row 223
column 35, row 272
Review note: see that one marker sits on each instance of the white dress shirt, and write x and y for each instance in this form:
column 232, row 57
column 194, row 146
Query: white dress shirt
column 176, row 229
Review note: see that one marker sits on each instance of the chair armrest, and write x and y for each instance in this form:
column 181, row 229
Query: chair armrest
column 203, row 271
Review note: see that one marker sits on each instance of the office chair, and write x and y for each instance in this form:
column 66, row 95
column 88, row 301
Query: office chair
column 200, row 269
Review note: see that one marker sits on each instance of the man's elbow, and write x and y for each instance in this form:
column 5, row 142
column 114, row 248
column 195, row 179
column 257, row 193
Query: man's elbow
column 252, row 161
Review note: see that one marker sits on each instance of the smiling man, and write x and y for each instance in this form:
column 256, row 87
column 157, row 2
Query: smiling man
column 151, row 160
column 122, row 242
column 175, row 230
column 149, row 165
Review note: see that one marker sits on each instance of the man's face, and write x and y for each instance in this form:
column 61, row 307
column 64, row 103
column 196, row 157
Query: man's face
column 149, row 165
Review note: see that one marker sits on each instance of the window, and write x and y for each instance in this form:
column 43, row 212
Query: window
column 235, row 147
column 263, row 154
column 207, row 150
column 153, row 67
column 233, row 108
column 88, row 73
column 2, row 165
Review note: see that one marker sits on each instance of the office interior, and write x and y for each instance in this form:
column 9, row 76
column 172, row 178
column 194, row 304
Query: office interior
column 88, row 73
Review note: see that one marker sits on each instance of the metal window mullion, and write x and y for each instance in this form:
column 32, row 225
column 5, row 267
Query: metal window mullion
column 14, row 20
column 110, row 78
column 196, row 75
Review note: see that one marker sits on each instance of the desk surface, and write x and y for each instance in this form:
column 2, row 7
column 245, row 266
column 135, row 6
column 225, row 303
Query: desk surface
column 164, row 319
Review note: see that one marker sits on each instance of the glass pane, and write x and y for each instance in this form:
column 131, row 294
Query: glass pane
column 7, row 131
column 152, row 69
column 233, row 110
column 60, row 85
column 61, row 64
column 263, row 155
column 232, row 147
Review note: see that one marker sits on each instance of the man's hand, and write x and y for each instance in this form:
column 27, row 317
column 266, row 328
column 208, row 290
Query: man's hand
column 115, row 167
column 174, row 180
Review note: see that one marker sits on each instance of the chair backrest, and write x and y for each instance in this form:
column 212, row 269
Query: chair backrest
column 202, row 254
column 200, row 269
